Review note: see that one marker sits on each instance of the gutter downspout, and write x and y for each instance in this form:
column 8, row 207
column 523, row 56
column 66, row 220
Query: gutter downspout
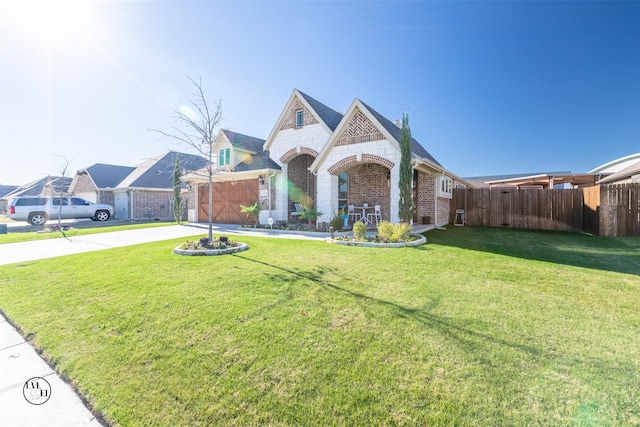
column 435, row 204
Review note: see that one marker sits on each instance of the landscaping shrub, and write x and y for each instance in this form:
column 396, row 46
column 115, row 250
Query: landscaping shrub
column 359, row 230
column 385, row 230
column 401, row 232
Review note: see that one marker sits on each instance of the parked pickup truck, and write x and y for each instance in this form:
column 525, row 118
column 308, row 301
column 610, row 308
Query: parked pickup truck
column 37, row 210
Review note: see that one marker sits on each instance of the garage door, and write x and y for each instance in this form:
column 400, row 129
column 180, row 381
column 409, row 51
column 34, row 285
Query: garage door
column 227, row 198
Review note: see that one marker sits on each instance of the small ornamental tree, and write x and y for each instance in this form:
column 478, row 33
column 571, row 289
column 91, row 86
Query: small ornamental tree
column 177, row 191
column 197, row 127
column 405, row 206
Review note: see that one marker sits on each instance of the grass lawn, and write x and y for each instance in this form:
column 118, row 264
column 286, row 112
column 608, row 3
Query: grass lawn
column 478, row 327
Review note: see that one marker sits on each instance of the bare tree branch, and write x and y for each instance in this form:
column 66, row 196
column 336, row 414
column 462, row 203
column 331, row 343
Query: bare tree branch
column 200, row 134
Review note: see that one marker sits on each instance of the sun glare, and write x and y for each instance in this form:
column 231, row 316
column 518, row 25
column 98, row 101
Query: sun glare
column 58, row 21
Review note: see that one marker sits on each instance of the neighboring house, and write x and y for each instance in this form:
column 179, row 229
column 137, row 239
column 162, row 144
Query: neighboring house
column 540, row 180
column 617, row 165
column 324, row 159
column 97, row 182
column 141, row 192
column 628, row 175
column 4, row 190
column 49, row 186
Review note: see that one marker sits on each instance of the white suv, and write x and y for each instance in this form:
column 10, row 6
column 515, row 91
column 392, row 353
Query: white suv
column 37, row 210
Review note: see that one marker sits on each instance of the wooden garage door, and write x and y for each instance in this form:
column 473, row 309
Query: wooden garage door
column 227, row 198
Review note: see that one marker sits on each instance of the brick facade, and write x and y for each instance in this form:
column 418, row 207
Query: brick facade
column 290, row 120
column 301, row 180
column 425, row 189
column 369, row 185
column 157, row 203
column 84, row 184
column 294, row 152
column 444, row 211
column 360, row 129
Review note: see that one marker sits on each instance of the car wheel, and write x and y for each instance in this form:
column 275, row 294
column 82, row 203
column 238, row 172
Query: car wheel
column 37, row 218
column 102, row 215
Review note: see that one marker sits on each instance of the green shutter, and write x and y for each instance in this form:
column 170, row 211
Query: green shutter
column 221, row 158
column 227, row 156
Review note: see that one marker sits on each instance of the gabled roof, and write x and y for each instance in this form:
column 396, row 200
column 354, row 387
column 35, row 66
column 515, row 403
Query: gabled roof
column 107, row 176
column 390, row 131
column 36, row 188
column 6, row 189
column 158, row 171
column 244, row 142
column 327, row 117
column 628, row 172
column 396, row 132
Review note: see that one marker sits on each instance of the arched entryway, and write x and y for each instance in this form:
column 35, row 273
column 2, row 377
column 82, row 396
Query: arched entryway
column 300, row 185
column 367, row 180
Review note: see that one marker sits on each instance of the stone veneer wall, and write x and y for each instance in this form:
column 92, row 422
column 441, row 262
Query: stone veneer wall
column 308, row 139
column 188, row 202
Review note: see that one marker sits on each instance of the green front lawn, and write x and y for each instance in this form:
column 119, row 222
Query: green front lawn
column 478, row 327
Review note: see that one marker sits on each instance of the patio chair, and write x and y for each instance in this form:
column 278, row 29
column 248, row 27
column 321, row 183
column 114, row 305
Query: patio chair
column 376, row 214
column 296, row 214
column 459, row 218
column 352, row 214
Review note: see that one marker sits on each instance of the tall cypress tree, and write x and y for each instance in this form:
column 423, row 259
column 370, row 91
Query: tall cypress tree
column 177, row 195
column 405, row 206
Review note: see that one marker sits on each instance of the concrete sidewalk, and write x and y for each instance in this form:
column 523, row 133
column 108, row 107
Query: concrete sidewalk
column 19, row 362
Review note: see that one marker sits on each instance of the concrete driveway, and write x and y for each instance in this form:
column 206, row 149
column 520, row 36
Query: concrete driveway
column 28, row 251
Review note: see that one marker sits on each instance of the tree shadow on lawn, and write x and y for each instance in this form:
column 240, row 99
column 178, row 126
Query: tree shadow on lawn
column 477, row 346
column 620, row 255
column 470, row 340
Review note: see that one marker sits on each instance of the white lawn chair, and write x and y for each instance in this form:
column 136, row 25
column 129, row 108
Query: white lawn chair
column 352, row 214
column 375, row 215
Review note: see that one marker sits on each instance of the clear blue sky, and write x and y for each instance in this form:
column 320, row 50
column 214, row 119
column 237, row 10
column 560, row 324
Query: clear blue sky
column 492, row 87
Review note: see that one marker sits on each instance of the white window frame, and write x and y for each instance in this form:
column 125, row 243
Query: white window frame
column 445, row 187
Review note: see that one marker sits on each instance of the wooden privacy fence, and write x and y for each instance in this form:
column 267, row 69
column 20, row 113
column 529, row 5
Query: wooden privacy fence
column 612, row 210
